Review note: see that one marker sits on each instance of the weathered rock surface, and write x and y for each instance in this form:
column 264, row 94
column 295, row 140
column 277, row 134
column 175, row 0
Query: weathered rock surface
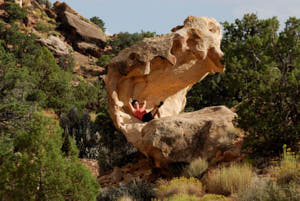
column 77, row 27
column 89, row 48
column 55, row 44
column 187, row 136
column 164, row 68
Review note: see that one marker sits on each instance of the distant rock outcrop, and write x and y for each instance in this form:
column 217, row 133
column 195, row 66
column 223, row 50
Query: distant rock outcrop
column 78, row 30
column 165, row 68
column 55, row 44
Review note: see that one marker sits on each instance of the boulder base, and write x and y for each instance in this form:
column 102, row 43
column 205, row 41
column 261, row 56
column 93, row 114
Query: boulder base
column 187, row 136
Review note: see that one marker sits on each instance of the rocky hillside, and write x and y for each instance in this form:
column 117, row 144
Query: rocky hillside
column 65, row 33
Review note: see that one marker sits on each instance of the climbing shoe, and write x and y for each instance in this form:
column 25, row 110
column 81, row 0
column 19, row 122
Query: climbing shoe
column 160, row 104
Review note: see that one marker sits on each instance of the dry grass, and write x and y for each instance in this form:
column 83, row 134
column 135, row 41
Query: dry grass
column 289, row 170
column 196, row 168
column 182, row 185
column 227, row 180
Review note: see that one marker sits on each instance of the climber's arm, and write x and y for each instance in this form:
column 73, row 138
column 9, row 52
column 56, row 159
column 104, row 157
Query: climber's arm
column 131, row 107
column 144, row 105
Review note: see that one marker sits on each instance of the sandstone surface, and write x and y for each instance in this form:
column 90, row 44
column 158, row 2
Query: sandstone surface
column 55, row 44
column 78, row 28
column 163, row 68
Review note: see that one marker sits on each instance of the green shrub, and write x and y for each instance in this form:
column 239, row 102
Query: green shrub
column 33, row 167
column 289, row 170
column 66, row 63
column 15, row 12
column 212, row 197
column 125, row 39
column 43, row 27
column 183, row 197
column 227, row 180
column 182, row 185
column 99, row 22
column 104, row 60
column 196, row 168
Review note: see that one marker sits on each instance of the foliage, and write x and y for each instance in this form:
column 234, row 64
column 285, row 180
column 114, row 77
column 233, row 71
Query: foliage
column 190, row 186
column 30, row 74
column 66, row 63
column 262, row 77
column 104, row 60
column 124, row 40
column 43, row 27
column 289, row 171
column 266, row 190
column 15, row 12
column 99, row 22
column 183, row 197
column 196, row 168
column 98, row 140
column 32, row 166
column 137, row 190
column 227, row 180
column 212, row 197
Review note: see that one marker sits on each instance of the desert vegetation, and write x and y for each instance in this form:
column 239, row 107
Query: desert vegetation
column 39, row 154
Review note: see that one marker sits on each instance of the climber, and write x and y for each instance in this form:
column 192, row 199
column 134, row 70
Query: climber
column 139, row 110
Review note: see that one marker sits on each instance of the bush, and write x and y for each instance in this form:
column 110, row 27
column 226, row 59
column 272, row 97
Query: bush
column 137, row 190
column 66, row 63
column 267, row 190
column 32, row 167
column 15, row 12
column 43, row 27
column 125, row 39
column 182, row 185
column 99, row 22
column 104, row 60
column 196, row 168
column 212, row 197
column 183, row 197
column 289, row 171
column 227, row 180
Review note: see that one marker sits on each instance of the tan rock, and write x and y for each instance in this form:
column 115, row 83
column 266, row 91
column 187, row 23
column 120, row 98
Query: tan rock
column 77, row 24
column 163, row 68
column 55, row 44
column 89, row 48
column 184, row 137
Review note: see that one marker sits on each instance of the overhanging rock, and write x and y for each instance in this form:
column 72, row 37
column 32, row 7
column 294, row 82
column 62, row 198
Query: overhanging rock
column 162, row 68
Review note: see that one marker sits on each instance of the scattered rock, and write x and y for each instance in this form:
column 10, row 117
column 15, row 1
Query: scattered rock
column 55, row 44
column 89, row 49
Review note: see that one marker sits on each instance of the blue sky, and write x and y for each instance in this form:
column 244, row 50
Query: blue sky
column 162, row 15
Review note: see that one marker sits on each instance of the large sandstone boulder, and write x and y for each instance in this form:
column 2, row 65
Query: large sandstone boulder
column 186, row 136
column 77, row 27
column 164, row 68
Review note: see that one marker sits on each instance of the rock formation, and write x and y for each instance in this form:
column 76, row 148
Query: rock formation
column 85, row 36
column 164, row 68
column 55, row 44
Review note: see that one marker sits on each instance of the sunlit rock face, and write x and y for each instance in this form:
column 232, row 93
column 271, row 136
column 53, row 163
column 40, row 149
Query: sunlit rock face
column 162, row 68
